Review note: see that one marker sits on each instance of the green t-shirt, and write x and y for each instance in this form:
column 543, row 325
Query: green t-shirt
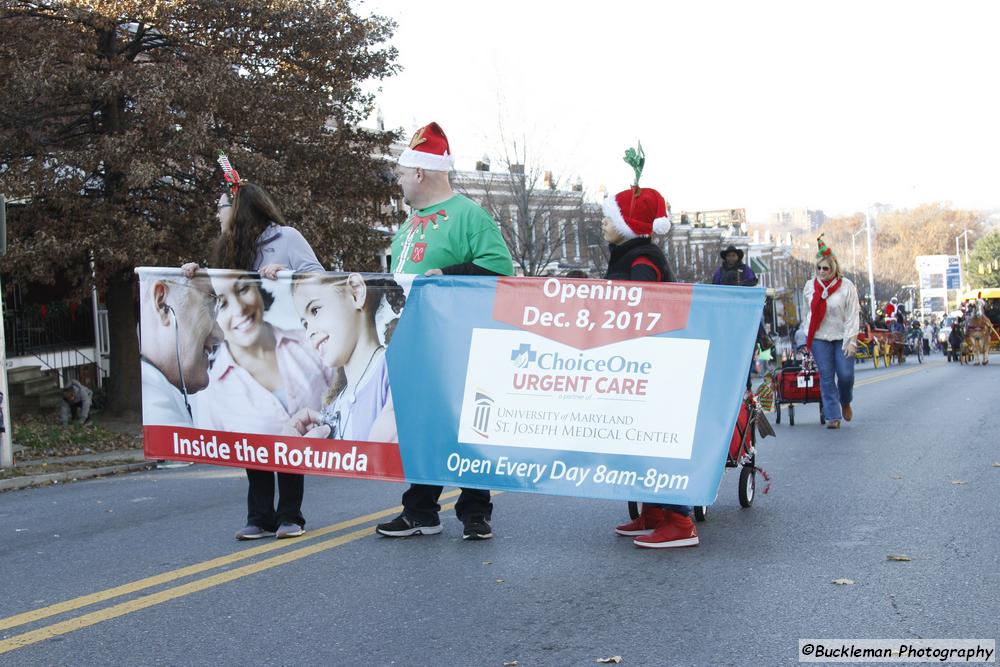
column 456, row 231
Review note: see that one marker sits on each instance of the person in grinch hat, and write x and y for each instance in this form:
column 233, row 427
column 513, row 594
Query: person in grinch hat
column 631, row 217
column 446, row 233
column 832, row 320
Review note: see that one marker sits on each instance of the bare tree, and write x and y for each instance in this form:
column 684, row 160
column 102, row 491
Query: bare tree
column 543, row 222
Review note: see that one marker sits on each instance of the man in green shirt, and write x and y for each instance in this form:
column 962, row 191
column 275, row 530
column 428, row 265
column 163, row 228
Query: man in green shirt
column 445, row 234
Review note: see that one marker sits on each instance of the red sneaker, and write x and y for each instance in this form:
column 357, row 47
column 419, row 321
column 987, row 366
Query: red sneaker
column 678, row 531
column 650, row 518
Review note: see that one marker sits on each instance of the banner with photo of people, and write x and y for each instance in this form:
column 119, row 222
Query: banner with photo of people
column 551, row 385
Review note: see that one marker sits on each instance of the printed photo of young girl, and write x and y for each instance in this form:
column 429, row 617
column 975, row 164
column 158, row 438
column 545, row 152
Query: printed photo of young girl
column 343, row 318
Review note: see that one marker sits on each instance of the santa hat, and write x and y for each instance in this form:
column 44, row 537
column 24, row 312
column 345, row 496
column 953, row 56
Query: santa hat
column 428, row 150
column 823, row 251
column 638, row 211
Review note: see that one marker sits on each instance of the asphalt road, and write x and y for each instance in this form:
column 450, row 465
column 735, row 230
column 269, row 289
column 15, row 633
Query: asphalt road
column 142, row 569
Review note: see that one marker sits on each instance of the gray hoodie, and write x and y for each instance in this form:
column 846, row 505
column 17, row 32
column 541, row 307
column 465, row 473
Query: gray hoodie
column 285, row 246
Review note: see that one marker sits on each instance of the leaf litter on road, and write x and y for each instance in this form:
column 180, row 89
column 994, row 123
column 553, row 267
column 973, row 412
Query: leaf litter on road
column 613, row 660
column 899, row 557
column 843, row 582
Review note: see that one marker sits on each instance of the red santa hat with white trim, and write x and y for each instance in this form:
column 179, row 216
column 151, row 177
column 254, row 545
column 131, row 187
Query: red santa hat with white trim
column 428, row 149
column 638, row 211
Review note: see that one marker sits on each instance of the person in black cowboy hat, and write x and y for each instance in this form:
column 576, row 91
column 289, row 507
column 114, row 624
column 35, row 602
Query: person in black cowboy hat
column 733, row 271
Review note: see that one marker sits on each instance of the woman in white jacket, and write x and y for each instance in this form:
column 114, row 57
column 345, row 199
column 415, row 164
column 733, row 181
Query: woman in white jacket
column 831, row 320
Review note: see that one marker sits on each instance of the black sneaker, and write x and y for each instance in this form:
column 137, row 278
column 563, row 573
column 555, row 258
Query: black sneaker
column 477, row 528
column 403, row 527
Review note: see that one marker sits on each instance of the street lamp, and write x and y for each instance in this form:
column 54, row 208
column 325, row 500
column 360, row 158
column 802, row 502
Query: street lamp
column 854, row 251
column 961, row 273
column 871, row 270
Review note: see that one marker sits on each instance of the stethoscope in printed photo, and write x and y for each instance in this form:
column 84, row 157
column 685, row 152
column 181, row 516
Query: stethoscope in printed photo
column 184, row 392
column 177, row 352
column 177, row 355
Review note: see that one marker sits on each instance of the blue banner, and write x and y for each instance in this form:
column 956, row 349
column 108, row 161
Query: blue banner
column 581, row 388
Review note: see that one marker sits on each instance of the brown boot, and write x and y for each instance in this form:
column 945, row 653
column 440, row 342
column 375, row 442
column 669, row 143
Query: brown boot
column 848, row 412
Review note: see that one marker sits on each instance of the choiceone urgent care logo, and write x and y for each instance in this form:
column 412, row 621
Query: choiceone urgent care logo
column 578, row 373
column 526, row 357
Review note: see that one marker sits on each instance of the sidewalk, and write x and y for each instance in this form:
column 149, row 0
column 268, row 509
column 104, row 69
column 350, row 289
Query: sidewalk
column 83, row 466
column 127, row 460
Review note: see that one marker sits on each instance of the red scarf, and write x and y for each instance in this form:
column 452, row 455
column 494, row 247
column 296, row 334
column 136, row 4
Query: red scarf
column 821, row 293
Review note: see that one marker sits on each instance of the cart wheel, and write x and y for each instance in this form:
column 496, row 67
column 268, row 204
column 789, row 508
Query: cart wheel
column 633, row 509
column 822, row 415
column 791, row 414
column 699, row 512
column 777, row 412
column 874, row 357
column 748, row 484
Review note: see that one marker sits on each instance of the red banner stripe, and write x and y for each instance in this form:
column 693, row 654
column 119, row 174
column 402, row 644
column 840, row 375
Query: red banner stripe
column 308, row 456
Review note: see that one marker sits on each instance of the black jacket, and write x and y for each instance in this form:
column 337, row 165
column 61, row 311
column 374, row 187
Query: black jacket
column 622, row 264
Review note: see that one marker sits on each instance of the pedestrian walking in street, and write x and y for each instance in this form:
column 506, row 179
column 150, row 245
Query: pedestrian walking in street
column 733, row 271
column 630, row 219
column 445, row 234
column 275, row 365
column 832, row 320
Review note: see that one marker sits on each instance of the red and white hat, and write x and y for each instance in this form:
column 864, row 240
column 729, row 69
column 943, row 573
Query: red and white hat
column 428, row 150
column 638, row 212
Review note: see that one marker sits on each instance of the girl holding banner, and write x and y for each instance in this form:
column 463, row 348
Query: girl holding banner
column 271, row 365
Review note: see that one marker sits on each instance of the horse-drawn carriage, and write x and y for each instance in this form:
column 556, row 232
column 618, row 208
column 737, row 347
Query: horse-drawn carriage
column 881, row 345
column 983, row 315
column 980, row 333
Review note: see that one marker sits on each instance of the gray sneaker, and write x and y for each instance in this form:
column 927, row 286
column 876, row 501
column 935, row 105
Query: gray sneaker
column 251, row 532
column 289, row 530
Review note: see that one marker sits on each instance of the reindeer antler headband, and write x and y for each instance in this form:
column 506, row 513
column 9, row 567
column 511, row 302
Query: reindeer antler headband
column 231, row 175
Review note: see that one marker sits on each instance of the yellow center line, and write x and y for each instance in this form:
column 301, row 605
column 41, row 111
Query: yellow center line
column 93, row 618
column 197, row 568
column 888, row 375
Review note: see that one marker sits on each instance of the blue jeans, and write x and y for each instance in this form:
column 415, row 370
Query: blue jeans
column 836, row 376
column 680, row 509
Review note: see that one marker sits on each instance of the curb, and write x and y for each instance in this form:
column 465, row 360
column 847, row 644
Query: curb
column 28, row 481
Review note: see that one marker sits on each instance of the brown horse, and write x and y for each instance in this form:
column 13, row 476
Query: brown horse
column 977, row 333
